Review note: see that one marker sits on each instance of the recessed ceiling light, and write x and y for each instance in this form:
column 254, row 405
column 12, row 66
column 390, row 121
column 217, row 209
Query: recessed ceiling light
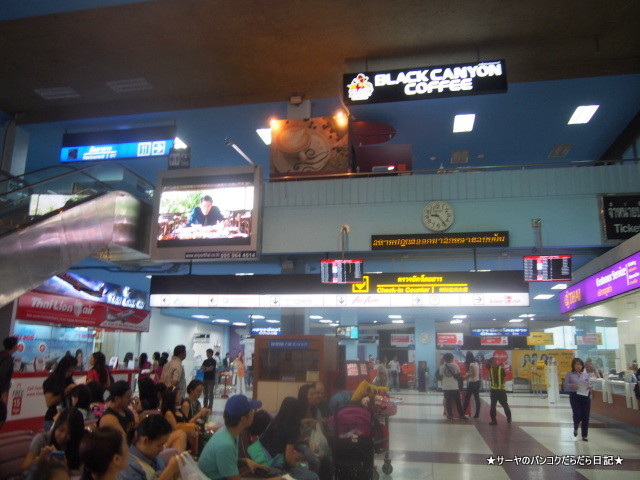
column 559, row 286
column 527, row 315
column 375, row 321
column 257, row 317
column 460, row 316
column 455, row 321
column 244, row 274
column 334, row 324
column 571, row 319
column 325, row 320
column 316, row 317
column 598, row 319
column 201, row 316
column 583, row 114
column 394, row 316
column 265, row 135
column 463, row 123
column 622, row 321
column 273, row 321
column 239, row 324
column 397, row 321
column 149, row 276
column 579, row 315
column 372, row 273
column 222, row 320
column 516, row 320
column 543, row 296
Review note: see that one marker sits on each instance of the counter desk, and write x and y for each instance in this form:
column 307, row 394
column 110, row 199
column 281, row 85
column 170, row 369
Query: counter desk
column 26, row 406
column 615, row 399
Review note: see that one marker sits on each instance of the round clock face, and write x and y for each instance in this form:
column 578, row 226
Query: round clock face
column 437, row 216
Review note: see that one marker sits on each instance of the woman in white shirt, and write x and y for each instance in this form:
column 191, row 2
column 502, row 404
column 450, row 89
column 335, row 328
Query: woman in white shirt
column 473, row 382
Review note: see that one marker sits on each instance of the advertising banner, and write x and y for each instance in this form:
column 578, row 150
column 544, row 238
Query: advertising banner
column 403, row 340
column 540, row 338
column 529, row 365
column 502, row 340
column 310, row 146
column 589, row 339
column 38, row 306
column 449, row 338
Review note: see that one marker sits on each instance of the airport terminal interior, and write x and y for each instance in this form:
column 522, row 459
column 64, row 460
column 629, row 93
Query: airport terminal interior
column 324, row 187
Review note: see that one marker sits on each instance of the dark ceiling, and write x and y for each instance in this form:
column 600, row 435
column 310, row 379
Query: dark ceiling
column 204, row 53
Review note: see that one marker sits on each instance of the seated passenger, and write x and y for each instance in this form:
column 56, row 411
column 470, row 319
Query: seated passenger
column 219, row 459
column 144, row 461
column 48, row 469
column 104, row 454
column 122, row 411
column 191, row 407
column 64, row 437
column 280, row 439
column 169, row 410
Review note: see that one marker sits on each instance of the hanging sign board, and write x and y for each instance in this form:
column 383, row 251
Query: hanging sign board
column 413, row 241
column 620, row 216
column 540, row 338
column 420, row 83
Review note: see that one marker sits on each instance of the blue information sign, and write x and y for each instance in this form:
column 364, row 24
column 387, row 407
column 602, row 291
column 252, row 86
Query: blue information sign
column 156, row 148
column 498, row 332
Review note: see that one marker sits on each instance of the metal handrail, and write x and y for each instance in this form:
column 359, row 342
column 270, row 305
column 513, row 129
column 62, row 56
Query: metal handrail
column 479, row 168
column 82, row 171
column 20, row 178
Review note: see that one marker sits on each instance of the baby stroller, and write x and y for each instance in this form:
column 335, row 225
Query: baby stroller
column 352, row 446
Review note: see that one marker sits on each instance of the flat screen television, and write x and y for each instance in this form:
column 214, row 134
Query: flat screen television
column 547, row 268
column 341, row 271
column 348, row 332
column 207, row 214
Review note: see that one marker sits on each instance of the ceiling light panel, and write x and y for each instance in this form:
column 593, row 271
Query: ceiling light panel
column 463, row 123
column 583, row 114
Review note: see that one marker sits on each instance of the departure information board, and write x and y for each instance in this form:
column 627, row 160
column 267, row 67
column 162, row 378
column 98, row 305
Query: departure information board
column 547, row 268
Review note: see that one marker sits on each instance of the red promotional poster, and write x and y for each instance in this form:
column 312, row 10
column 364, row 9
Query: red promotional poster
column 501, row 340
column 449, row 338
column 75, row 312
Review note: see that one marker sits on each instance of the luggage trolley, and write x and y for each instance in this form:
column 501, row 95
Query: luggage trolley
column 380, row 431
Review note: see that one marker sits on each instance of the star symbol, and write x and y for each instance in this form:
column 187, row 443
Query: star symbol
column 491, row 460
column 618, row 460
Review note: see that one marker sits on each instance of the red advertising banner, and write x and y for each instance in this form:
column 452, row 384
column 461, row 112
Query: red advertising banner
column 501, row 340
column 449, row 339
column 38, row 306
column 402, row 339
column 589, row 339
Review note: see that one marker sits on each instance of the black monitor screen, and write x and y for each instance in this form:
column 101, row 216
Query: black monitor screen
column 341, row 271
column 547, row 268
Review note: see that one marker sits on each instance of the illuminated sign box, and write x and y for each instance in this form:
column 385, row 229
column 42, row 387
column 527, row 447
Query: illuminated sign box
column 620, row 216
column 449, row 338
column 619, row 278
column 207, row 214
column 493, row 332
column 424, row 82
column 547, row 268
column 117, row 144
column 415, row 241
column 540, row 338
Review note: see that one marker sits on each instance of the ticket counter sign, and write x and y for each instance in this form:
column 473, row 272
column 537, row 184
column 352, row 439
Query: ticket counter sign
column 540, row 338
column 450, row 339
column 421, row 83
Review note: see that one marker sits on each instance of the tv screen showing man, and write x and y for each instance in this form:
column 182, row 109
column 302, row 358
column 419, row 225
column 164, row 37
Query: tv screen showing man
column 206, row 214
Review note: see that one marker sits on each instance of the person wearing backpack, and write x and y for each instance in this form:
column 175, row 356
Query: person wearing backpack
column 450, row 374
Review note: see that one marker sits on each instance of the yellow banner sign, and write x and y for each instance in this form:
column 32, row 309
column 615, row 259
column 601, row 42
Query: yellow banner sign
column 540, row 338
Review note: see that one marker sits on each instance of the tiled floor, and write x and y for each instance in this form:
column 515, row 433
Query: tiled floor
column 425, row 445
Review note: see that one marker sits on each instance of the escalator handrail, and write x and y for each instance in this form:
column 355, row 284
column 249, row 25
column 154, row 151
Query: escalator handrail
column 83, row 171
column 19, row 178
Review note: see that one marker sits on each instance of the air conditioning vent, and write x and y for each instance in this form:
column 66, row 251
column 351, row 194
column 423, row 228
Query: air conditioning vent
column 57, row 93
column 129, row 85
column 560, row 150
column 460, row 156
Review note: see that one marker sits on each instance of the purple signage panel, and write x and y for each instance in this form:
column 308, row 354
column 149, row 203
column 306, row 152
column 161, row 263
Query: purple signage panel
column 620, row 277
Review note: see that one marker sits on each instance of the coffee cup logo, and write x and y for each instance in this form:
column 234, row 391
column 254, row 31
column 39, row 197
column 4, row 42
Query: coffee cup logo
column 293, row 139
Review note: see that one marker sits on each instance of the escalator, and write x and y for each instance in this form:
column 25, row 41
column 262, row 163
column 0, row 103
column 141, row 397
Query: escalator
column 52, row 219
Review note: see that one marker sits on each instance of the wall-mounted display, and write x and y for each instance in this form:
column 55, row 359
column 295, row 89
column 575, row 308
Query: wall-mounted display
column 207, row 214
column 547, row 268
column 341, row 271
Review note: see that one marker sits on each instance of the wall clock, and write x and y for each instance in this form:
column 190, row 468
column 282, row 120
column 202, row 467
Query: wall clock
column 437, row 216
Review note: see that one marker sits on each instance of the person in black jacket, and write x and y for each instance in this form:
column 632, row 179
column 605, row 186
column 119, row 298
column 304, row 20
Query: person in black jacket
column 6, row 372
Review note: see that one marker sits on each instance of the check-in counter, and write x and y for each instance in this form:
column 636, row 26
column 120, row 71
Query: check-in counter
column 26, row 406
column 615, row 399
